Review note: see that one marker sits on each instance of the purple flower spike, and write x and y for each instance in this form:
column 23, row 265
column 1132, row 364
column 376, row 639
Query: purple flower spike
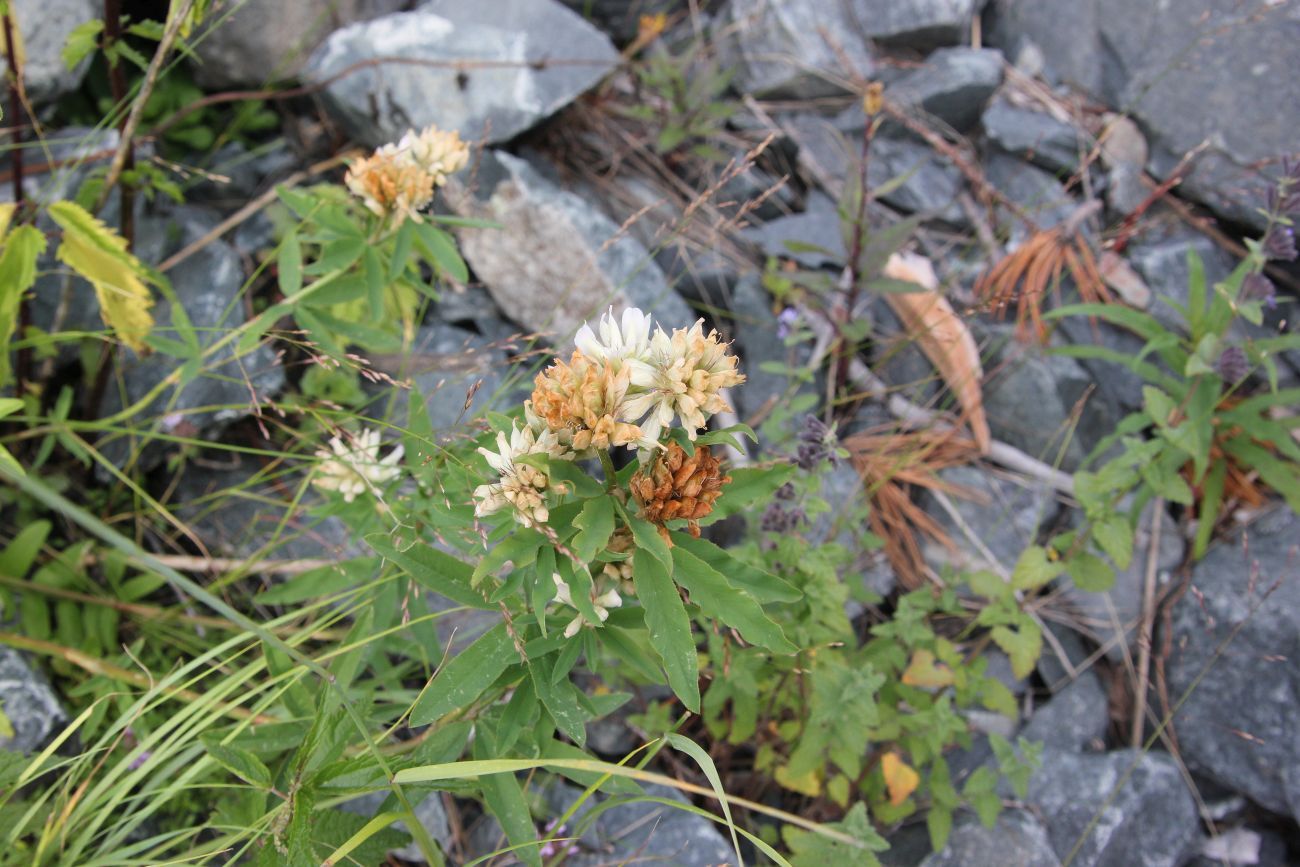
column 1233, row 365
column 786, row 321
column 1257, row 287
column 1279, row 244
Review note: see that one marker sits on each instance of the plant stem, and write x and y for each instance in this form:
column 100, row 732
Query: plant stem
column 117, row 84
column 611, row 475
column 23, row 368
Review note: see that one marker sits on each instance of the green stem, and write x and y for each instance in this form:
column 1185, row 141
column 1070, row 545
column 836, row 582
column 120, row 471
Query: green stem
column 611, row 475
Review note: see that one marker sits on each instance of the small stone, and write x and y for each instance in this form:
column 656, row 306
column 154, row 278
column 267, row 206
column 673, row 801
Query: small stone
column 557, row 261
column 1017, row 840
column 1034, row 136
column 815, row 235
column 794, row 48
column 920, row 24
column 28, row 703
column 1074, row 719
column 953, row 85
column 1152, row 815
column 1000, row 522
column 495, row 68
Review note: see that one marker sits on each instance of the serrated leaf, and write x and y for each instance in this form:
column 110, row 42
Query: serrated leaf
column 239, row 762
column 724, row 602
column 289, row 265
column 97, row 253
column 83, row 39
column 1114, row 535
column 595, row 525
column 670, row 628
column 810, row 849
column 1022, row 645
column 1034, row 569
column 22, row 248
column 901, row 779
column 925, row 672
column 1091, row 573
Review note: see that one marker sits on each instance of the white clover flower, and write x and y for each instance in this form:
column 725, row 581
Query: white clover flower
column 688, row 372
column 521, row 487
column 601, row 601
column 436, row 152
column 625, row 343
column 354, row 467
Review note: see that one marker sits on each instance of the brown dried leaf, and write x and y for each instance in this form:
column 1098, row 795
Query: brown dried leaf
column 942, row 336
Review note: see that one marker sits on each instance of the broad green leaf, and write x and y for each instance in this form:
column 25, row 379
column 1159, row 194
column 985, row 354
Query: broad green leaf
column 670, row 627
column 321, row 581
column 433, row 569
column 1091, row 573
column 595, row 525
column 462, row 680
column 97, row 253
column 1022, row 645
column 289, row 265
column 506, row 803
column 810, row 849
column 1034, row 569
column 1211, row 502
column 1114, row 535
column 239, row 762
column 559, row 699
column 647, row 539
column 440, row 250
column 762, row 585
column 721, row 600
column 22, row 247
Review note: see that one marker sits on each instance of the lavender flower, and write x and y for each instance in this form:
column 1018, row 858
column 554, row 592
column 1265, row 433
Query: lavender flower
column 1232, row 365
column 1279, row 243
column 553, row 847
column 785, row 492
column 816, row 444
column 1257, row 287
column 778, row 519
column 786, row 321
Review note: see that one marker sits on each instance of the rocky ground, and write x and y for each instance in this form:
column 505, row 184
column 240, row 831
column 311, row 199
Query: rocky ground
column 1010, row 117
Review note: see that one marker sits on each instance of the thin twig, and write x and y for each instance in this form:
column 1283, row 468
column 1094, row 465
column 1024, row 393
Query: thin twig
column 174, row 22
column 1148, row 623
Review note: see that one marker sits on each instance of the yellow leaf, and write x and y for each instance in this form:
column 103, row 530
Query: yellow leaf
column 6, row 215
column 99, row 254
column 942, row 336
column 924, row 672
column 6, row 727
column 900, row 779
column 809, row 784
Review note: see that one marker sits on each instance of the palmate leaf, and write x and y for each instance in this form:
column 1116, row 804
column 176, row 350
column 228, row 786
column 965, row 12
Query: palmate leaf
column 99, row 254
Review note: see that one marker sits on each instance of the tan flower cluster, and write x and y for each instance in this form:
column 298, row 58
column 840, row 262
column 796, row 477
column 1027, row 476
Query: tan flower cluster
column 685, row 377
column 584, row 402
column 521, row 488
column 398, row 180
column 353, row 467
column 678, row 485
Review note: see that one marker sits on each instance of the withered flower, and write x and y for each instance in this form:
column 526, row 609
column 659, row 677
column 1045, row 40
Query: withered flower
column 584, row 402
column 677, row 485
column 387, row 183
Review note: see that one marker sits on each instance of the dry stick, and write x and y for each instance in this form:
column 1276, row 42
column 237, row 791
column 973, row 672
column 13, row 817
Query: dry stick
column 127, row 135
column 100, row 667
column 250, row 209
column 1148, row 622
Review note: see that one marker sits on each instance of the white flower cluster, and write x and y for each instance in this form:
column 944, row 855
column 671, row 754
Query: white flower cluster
column 601, row 601
column 520, row 487
column 399, row 179
column 354, row 467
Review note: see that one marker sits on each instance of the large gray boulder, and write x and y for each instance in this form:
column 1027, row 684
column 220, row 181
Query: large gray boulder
column 998, row 516
column 796, row 48
column 556, row 261
column 1116, row 809
column 1195, row 71
column 489, row 69
column 45, row 26
column 917, row 23
column 1238, row 724
column 1032, row 135
column 1074, row 719
column 953, row 84
column 247, row 33
column 1017, row 840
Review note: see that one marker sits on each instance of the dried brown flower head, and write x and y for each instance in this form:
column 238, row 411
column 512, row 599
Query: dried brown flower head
column 678, row 485
column 585, row 399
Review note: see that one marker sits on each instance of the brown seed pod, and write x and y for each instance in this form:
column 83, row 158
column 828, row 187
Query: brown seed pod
column 678, row 485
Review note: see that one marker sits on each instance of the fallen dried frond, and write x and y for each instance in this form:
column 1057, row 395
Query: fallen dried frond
column 943, row 337
column 1041, row 261
column 891, row 465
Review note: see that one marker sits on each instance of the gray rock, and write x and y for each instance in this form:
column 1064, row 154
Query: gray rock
column 207, row 285
column 816, row 232
column 1003, row 518
column 917, row 23
column 1151, row 819
column 1030, row 398
column 564, row 262
column 1242, row 846
column 28, row 703
column 1190, row 72
column 235, row 53
column 1237, row 726
column 1122, row 603
column 620, row 18
column 430, row 813
column 755, row 330
column 1075, row 719
column 495, row 68
column 242, row 172
column 237, row 507
column 953, row 84
column 1159, row 255
column 796, row 48
column 1017, row 840
column 1052, row 665
column 1041, row 197
column 1116, row 384
column 831, row 149
column 457, row 373
column 1033, row 135
column 45, row 26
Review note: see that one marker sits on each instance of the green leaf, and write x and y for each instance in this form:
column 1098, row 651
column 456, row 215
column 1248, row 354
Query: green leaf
column 1091, row 573
column 762, row 585
column 83, row 39
column 1022, row 645
column 989, row 585
column 462, row 680
column 239, row 762
column 939, row 823
column 97, row 253
column 647, row 539
column 810, row 849
column 440, row 251
column 22, row 248
column 670, row 628
column 433, row 569
column 506, row 803
column 288, row 264
column 1211, row 502
column 721, row 600
column 1033, row 569
column 321, row 581
column 373, row 268
column 559, row 698
column 1115, row 536
column 595, row 525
